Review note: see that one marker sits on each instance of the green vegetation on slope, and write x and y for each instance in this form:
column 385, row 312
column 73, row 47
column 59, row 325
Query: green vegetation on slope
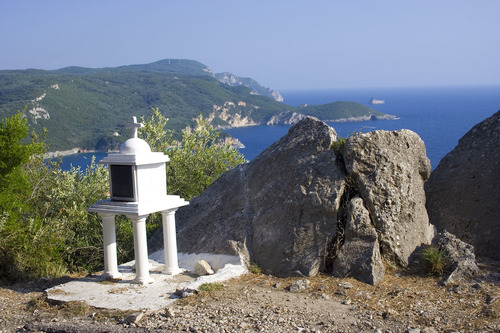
column 78, row 110
column 177, row 66
column 87, row 108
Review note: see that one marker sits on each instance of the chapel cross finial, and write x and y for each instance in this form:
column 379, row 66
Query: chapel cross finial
column 134, row 126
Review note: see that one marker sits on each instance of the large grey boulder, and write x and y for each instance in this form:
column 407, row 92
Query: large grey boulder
column 463, row 192
column 360, row 255
column 279, row 211
column 389, row 170
column 294, row 188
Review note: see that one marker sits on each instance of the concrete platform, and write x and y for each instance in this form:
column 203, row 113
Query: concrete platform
column 125, row 294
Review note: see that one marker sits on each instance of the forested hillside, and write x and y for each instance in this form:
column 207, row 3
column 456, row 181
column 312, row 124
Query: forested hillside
column 87, row 108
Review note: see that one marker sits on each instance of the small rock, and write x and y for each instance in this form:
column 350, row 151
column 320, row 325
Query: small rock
column 245, row 325
column 460, row 256
column 203, row 268
column 413, row 330
column 134, row 318
column 169, row 312
column 429, row 330
column 43, row 280
column 299, row 286
column 186, row 293
column 183, row 293
column 346, row 285
column 390, row 313
column 340, row 292
column 490, row 299
column 347, row 301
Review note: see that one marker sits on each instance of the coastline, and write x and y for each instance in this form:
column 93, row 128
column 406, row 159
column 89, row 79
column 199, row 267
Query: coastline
column 60, row 153
column 234, row 142
column 370, row 117
column 287, row 122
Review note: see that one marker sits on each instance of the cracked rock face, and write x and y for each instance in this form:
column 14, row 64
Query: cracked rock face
column 460, row 256
column 389, row 169
column 360, row 254
column 463, row 192
column 278, row 211
column 283, row 210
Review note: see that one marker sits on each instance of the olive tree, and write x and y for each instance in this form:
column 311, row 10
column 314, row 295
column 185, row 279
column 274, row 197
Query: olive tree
column 196, row 161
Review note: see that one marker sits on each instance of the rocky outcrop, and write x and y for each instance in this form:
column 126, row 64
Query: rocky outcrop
column 276, row 95
column 389, row 170
column 376, row 101
column 293, row 190
column 283, row 223
column 360, row 255
column 257, row 89
column 459, row 257
column 230, row 113
column 285, row 118
column 463, row 192
column 295, row 211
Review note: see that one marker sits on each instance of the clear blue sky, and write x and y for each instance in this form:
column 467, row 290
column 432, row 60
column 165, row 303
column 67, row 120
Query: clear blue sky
column 282, row 44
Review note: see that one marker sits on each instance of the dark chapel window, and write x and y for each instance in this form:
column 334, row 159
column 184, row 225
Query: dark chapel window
column 122, row 182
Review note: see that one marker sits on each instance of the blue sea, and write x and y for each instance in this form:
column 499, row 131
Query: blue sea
column 440, row 115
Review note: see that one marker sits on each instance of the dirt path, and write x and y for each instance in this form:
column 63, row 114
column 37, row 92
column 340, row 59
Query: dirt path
column 260, row 303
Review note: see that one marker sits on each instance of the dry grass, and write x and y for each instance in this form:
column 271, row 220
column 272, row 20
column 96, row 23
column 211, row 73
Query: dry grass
column 403, row 298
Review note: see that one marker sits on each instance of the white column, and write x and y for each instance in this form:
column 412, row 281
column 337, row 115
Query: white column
column 170, row 242
column 141, row 250
column 109, row 244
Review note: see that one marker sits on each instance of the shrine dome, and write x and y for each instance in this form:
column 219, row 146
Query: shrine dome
column 134, row 146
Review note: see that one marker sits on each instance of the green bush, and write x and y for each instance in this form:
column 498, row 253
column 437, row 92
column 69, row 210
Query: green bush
column 45, row 229
column 15, row 154
column 197, row 161
column 338, row 146
column 255, row 269
column 22, row 236
column 434, row 260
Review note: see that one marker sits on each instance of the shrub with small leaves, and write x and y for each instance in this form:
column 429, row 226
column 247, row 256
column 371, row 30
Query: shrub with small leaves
column 197, row 161
column 255, row 269
column 434, row 260
column 45, row 229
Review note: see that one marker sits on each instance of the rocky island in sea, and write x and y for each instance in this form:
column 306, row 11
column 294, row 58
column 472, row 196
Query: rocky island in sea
column 374, row 101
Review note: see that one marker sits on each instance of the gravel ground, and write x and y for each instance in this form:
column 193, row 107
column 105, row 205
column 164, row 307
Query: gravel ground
column 403, row 302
